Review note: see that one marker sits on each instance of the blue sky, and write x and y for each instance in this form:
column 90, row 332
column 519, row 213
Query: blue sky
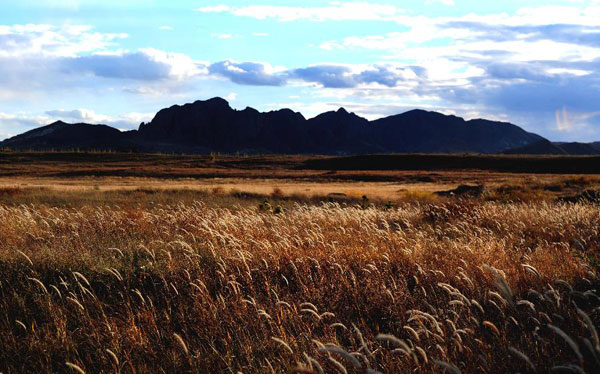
column 533, row 63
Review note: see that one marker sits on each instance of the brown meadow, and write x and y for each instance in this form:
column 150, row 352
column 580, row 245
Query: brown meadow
column 460, row 286
column 177, row 280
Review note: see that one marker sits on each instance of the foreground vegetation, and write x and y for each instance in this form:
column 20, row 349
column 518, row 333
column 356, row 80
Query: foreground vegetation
column 457, row 285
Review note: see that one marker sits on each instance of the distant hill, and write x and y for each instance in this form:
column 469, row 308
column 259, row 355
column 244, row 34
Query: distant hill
column 61, row 135
column 580, row 148
column 546, row 147
column 213, row 126
column 420, row 131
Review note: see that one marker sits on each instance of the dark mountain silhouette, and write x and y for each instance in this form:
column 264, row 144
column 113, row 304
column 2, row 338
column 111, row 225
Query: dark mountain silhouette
column 546, row 147
column 580, row 148
column 420, row 131
column 212, row 125
column 340, row 131
column 61, row 135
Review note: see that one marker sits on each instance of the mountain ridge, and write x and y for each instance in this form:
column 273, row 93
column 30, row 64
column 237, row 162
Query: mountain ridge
column 213, row 126
column 546, row 147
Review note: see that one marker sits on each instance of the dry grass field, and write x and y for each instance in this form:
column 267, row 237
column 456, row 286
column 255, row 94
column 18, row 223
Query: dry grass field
column 179, row 272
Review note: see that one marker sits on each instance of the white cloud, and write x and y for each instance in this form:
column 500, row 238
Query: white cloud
column 231, row 96
column 77, row 115
column 22, row 118
column 64, row 4
column 127, row 120
column 16, row 123
column 307, row 109
column 249, row 73
column 443, row 2
column 180, row 65
column 52, row 41
column 156, row 89
column 214, row 9
column 222, row 36
column 165, row 28
column 337, row 11
column 130, row 121
column 546, row 44
column 33, row 56
column 22, row 77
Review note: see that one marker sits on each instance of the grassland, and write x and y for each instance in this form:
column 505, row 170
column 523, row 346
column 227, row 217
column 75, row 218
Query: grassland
column 68, row 178
column 180, row 277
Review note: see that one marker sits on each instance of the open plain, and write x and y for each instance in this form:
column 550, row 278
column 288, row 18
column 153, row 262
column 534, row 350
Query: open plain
column 132, row 263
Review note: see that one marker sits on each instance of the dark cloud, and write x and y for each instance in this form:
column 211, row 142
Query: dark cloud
column 331, row 76
column 337, row 76
column 530, row 86
column 381, row 75
column 420, row 71
column 23, row 72
column 247, row 73
column 577, row 93
column 533, row 91
column 531, row 96
column 138, row 66
column 528, row 71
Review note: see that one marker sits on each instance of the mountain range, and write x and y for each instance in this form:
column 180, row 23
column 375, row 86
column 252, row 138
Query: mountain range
column 546, row 147
column 213, row 126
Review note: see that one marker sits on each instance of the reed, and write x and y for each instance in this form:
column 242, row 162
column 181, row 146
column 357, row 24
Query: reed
column 191, row 287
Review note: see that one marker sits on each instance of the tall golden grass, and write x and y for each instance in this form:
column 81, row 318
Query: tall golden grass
column 460, row 287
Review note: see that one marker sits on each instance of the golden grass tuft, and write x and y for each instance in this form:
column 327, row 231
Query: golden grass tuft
column 423, row 286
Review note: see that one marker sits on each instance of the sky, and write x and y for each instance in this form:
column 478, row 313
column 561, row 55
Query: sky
column 532, row 63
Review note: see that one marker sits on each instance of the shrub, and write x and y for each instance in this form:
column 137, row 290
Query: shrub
column 277, row 193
